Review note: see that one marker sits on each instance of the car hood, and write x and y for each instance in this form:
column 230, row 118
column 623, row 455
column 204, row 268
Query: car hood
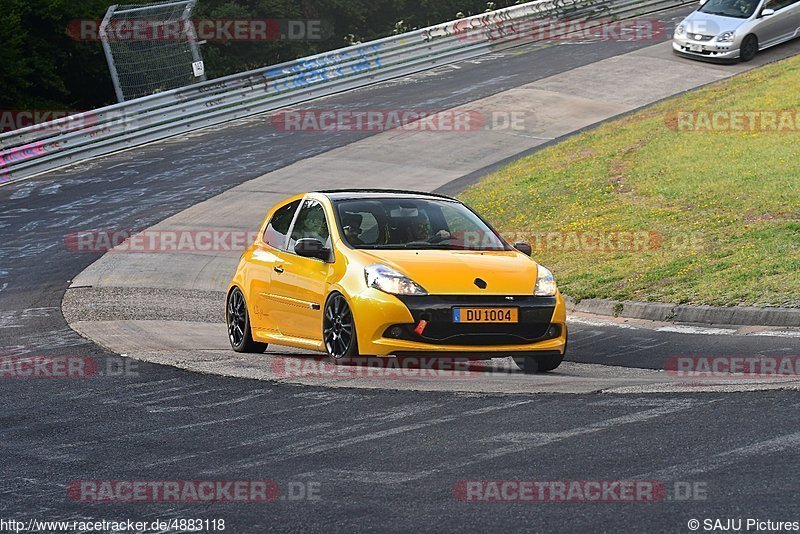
column 453, row 272
column 706, row 24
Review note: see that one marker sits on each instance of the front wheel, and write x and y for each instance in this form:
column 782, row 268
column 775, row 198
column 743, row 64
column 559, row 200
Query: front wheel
column 541, row 363
column 339, row 329
column 238, row 320
column 749, row 48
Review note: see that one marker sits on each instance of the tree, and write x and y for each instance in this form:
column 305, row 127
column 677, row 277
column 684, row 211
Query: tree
column 42, row 67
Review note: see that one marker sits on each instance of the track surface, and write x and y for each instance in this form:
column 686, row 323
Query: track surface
column 382, row 459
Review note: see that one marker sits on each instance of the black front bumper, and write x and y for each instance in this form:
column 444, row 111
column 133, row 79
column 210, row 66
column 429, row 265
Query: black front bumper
column 535, row 321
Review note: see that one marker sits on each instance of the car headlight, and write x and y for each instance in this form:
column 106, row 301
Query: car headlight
column 388, row 280
column 726, row 37
column 545, row 283
column 680, row 30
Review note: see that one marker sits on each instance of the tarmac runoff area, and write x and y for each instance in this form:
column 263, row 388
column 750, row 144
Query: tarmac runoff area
column 167, row 307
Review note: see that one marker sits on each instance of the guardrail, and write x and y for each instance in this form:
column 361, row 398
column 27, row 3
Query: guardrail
column 44, row 147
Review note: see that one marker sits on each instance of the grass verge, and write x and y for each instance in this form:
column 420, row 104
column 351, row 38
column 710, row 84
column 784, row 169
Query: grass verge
column 642, row 208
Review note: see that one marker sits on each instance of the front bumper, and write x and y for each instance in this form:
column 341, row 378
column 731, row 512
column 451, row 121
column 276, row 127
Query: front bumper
column 386, row 325
column 705, row 50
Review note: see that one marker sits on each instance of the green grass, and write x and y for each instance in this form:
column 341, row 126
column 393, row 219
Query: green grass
column 726, row 203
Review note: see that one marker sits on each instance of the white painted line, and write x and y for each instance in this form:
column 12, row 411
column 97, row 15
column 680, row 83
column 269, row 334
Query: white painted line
column 518, row 442
column 601, row 323
column 682, row 329
column 697, row 330
column 777, row 333
column 323, row 443
column 723, row 459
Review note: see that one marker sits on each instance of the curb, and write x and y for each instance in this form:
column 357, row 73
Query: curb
column 684, row 313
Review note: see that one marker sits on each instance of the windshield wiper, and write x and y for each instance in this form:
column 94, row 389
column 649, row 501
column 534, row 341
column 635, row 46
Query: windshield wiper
column 425, row 244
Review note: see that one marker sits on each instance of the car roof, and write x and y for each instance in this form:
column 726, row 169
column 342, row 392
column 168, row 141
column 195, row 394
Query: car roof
column 350, row 194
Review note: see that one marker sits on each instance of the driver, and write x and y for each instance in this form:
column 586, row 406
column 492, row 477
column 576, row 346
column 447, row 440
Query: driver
column 746, row 6
column 352, row 228
column 421, row 231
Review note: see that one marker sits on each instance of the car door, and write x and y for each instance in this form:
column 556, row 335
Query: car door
column 267, row 253
column 300, row 284
column 779, row 26
column 794, row 17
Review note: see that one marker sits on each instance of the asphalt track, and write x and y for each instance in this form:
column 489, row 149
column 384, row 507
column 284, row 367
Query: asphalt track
column 384, row 460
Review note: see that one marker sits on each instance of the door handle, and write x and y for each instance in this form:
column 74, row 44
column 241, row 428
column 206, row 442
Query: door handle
column 278, row 269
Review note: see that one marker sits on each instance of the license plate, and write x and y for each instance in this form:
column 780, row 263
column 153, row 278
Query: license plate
column 485, row 315
column 696, row 48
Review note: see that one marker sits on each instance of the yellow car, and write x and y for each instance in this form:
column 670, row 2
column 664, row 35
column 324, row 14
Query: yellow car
column 393, row 273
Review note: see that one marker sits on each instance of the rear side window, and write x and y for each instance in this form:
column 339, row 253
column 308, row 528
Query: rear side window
column 278, row 227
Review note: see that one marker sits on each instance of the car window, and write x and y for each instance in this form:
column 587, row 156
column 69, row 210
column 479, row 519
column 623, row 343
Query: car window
column 415, row 224
column 310, row 224
column 278, row 227
column 740, row 9
column 779, row 4
column 360, row 226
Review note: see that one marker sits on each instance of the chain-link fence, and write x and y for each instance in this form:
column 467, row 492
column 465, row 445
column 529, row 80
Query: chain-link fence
column 151, row 48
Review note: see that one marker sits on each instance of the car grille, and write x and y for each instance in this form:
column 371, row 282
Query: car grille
column 476, row 334
column 535, row 316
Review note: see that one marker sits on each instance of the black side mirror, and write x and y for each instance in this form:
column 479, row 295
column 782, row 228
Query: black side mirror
column 312, row 248
column 525, row 248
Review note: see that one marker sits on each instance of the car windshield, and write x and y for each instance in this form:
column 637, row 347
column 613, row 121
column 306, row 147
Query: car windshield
column 398, row 223
column 740, row 9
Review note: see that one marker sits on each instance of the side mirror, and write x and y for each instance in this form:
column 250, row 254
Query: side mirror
column 525, row 248
column 703, row 2
column 312, row 248
column 767, row 12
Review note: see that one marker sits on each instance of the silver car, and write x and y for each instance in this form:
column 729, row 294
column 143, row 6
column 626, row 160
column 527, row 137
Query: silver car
column 727, row 30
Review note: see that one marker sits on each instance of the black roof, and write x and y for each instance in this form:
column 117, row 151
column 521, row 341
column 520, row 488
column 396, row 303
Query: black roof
column 342, row 194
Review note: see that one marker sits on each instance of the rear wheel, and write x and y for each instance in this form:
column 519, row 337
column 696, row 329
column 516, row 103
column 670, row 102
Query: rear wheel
column 749, row 48
column 339, row 329
column 238, row 320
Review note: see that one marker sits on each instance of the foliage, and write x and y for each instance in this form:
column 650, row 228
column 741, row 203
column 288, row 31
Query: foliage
column 41, row 67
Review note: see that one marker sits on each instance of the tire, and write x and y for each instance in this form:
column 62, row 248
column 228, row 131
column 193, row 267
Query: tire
column 237, row 319
column 541, row 363
column 339, row 329
column 749, row 48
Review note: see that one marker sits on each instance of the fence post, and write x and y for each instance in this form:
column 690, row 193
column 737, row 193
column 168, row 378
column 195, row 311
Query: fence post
column 109, row 56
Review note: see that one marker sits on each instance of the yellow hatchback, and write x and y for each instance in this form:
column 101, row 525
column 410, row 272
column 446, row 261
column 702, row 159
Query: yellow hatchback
column 393, row 273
